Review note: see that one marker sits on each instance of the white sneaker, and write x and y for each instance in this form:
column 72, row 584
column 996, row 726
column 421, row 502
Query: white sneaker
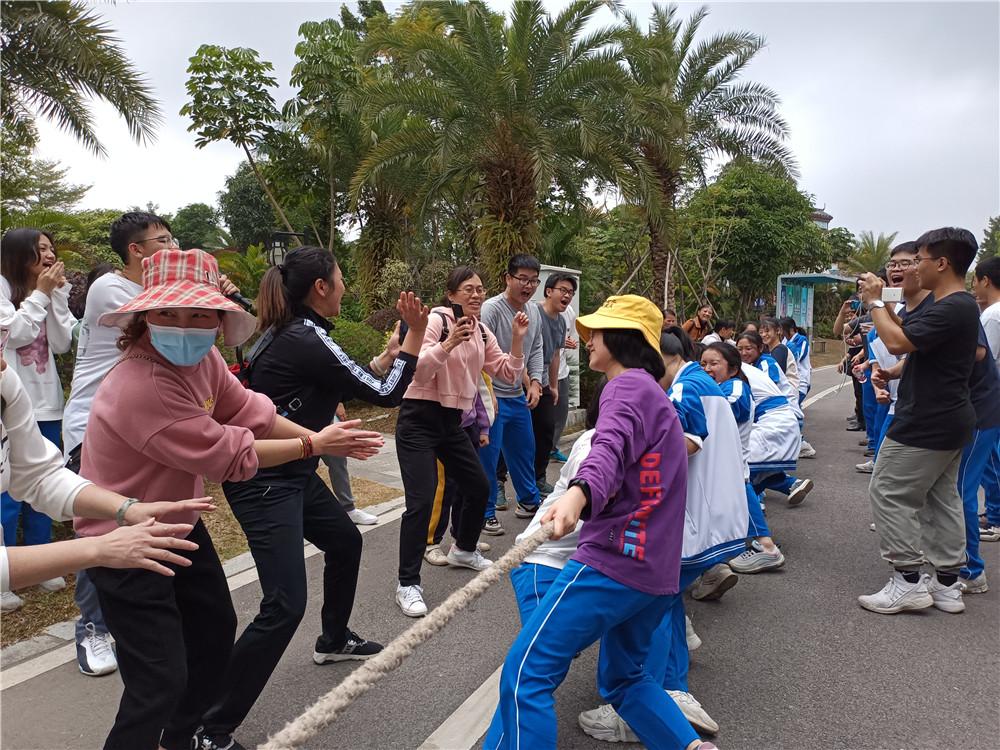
column 434, row 555
column 798, row 491
column 484, row 546
column 987, row 531
column 756, row 559
column 714, row 582
column 807, row 451
column 53, row 584
column 693, row 641
column 94, row 654
column 693, row 712
column 463, row 559
column 947, row 598
column 868, row 467
column 977, row 585
column 897, row 595
column 10, row 602
column 411, row 600
column 604, row 723
column 361, row 518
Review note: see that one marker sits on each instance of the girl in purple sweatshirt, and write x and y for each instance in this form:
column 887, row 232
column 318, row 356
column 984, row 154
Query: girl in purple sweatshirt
column 631, row 493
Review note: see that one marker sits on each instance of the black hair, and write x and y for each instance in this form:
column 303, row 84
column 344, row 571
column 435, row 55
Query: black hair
column 696, row 349
column 630, row 349
column 675, row 341
column 79, row 306
column 458, row 275
column 723, row 323
column 904, row 247
column 669, row 311
column 732, row 356
column 128, row 227
column 523, row 261
column 286, row 285
column 882, row 274
column 555, row 278
column 746, row 326
column 18, row 250
column 788, row 324
column 594, row 407
column 957, row 245
column 989, row 269
column 754, row 338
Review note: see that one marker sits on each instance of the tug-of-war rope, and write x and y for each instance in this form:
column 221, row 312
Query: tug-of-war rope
column 331, row 706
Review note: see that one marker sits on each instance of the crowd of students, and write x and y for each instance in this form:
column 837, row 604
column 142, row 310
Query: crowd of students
column 663, row 493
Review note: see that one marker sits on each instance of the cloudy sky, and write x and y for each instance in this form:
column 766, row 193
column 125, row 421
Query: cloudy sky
column 894, row 108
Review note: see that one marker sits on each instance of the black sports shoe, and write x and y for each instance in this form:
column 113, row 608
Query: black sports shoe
column 356, row 649
column 525, row 511
column 202, row 741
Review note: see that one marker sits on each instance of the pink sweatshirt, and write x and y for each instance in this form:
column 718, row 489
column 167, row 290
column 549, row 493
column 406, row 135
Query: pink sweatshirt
column 452, row 379
column 156, row 428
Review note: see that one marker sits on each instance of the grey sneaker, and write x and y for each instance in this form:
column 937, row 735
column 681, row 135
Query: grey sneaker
column 693, row 712
column 492, row 527
column 757, row 559
column 977, row 585
column 807, row 451
column 898, row 594
column 714, row 582
column 799, row 489
column 988, row 532
column 867, row 467
column 604, row 723
column 525, row 511
column 10, row 602
column 462, row 559
column 947, row 598
column 434, row 555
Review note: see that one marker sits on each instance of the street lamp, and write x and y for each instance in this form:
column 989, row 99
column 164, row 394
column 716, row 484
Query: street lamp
column 278, row 247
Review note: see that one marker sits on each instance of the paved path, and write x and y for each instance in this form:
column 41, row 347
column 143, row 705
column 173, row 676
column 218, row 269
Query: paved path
column 789, row 659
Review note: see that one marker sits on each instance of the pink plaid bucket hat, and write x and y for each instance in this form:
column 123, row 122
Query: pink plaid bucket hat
column 184, row 278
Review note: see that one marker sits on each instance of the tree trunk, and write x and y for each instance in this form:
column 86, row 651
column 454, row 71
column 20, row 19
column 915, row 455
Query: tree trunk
column 270, row 195
column 312, row 223
column 662, row 288
column 333, row 213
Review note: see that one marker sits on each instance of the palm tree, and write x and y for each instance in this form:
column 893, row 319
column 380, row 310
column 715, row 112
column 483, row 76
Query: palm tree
column 55, row 56
column 507, row 111
column 870, row 253
column 688, row 108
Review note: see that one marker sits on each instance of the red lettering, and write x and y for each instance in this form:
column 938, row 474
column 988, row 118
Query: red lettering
column 650, row 461
column 649, row 477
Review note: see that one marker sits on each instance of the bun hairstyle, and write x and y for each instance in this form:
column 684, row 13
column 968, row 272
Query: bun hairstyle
column 732, row 357
column 676, row 342
column 286, row 285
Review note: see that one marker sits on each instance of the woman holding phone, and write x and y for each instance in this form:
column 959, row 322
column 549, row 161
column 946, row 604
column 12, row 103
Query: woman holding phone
column 456, row 347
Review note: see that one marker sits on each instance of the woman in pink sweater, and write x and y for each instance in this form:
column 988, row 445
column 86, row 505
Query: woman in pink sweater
column 429, row 427
column 168, row 413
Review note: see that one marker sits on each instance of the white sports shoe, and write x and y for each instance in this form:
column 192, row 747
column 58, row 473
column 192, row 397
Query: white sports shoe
column 807, row 451
column 868, row 467
column 434, row 555
column 947, row 598
column 604, row 723
column 714, row 582
column 693, row 641
column 94, row 653
column 798, row 491
column 411, row 600
column 53, row 584
column 361, row 518
column 10, row 602
column 897, row 595
column 693, row 712
column 463, row 559
column 977, row 585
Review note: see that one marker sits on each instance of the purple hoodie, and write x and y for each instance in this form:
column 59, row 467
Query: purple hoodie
column 637, row 472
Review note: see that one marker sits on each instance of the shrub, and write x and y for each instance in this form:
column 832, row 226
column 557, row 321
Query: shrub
column 359, row 340
column 383, row 320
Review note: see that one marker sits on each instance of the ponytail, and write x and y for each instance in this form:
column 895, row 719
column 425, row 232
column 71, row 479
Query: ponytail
column 286, row 286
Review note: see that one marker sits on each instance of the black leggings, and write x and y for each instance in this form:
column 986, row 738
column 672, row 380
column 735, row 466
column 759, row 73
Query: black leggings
column 276, row 513
column 427, row 432
column 543, row 423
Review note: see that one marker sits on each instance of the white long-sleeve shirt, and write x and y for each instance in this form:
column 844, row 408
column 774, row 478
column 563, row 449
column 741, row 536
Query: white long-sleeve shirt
column 40, row 327
column 31, row 467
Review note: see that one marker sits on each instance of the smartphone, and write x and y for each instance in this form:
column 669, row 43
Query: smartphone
column 457, row 311
column 855, row 304
column 892, row 294
column 403, row 328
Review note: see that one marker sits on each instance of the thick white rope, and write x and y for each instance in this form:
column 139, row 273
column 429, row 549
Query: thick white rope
column 331, row 706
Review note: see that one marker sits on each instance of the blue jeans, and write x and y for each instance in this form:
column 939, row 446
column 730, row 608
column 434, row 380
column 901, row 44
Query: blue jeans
column 513, row 432
column 85, row 597
column 970, row 474
column 870, row 406
column 581, row 606
column 37, row 526
column 991, row 486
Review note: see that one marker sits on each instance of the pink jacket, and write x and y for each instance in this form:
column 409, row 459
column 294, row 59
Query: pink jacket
column 453, row 379
column 156, row 428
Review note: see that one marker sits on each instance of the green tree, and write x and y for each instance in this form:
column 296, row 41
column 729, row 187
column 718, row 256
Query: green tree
column 245, row 209
column 841, row 242
column 367, row 10
column 990, row 246
column 512, row 109
column 229, row 100
column 19, row 140
column 687, row 107
column 55, row 57
column 196, row 225
column 47, row 189
column 245, row 269
column 870, row 253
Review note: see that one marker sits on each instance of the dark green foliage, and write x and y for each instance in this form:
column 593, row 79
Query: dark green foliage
column 245, row 209
column 196, row 225
column 359, row 340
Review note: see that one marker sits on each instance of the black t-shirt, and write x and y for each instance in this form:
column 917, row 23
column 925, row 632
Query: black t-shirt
column 933, row 410
column 984, row 387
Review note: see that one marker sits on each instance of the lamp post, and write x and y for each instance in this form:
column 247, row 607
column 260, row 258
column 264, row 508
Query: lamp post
column 278, row 247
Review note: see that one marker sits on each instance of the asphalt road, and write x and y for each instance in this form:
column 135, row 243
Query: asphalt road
column 789, row 658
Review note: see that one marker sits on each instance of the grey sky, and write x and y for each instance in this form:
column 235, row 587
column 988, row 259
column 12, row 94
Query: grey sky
column 894, row 108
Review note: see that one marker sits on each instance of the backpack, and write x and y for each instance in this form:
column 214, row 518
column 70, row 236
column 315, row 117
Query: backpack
column 242, row 367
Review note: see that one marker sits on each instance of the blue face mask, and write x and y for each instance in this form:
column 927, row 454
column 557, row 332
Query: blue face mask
column 183, row 346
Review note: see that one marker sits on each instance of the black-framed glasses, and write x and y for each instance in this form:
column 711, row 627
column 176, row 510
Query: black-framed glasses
column 526, row 281
column 165, row 240
column 892, row 265
column 917, row 259
column 565, row 291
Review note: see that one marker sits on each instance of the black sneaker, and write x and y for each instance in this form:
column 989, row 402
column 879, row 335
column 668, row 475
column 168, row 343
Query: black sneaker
column 544, row 488
column 492, row 526
column 356, row 649
column 525, row 511
column 855, row 426
column 202, row 741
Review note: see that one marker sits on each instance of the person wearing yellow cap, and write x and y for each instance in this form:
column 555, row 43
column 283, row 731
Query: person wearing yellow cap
column 618, row 584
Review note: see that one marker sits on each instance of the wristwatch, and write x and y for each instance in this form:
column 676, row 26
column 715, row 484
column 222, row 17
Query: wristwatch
column 876, row 303
column 584, row 487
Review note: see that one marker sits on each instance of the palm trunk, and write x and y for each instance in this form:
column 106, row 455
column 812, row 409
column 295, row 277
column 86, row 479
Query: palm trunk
column 312, row 222
column 333, row 213
column 270, row 195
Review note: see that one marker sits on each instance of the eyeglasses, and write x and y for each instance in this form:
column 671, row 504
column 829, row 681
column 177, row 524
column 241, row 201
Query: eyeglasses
column 892, row 265
column 525, row 281
column 469, row 289
column 565, row 291
column 166, row 240
column 917, row 259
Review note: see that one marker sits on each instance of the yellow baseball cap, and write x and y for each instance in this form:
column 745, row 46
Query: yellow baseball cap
column 625, row 311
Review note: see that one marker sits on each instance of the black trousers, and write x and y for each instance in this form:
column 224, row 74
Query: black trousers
column 451, row 503
column 543, row 423
column 425, row 432
column 859, row 412
column 174, row 636
column 276, row 513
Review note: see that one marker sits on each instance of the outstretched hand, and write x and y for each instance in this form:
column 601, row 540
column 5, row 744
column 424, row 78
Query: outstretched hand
column 138, row 513
column 146, row 545
column 413, row 312
column 341, row 439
